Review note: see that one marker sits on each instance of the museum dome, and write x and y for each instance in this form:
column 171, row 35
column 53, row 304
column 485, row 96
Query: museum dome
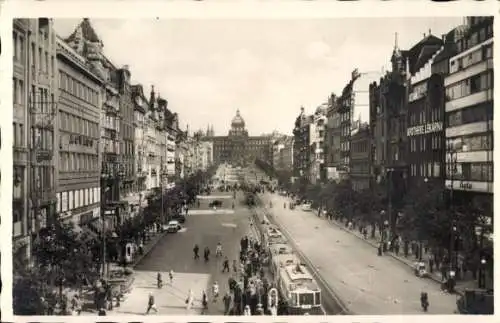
column 238, row 121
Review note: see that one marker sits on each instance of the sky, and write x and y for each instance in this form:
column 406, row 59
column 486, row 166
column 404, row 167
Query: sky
column 266, row 68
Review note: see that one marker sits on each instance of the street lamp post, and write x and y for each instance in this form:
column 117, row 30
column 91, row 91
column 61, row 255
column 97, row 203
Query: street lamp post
column 452, row 152
column 389, row 199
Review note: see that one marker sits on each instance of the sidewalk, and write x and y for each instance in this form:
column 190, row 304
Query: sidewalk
column 88, row 294
column 367, row 283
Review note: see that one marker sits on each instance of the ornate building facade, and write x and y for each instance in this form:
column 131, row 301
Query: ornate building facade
column 34, row 125
column 238, row 148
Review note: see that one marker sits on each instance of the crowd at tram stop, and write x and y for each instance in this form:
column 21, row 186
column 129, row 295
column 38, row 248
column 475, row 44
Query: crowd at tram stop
column 248, row 292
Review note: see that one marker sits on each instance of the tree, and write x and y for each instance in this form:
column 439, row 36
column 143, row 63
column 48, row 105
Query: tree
column 62, row 258
column 425, row 216
column 344, row 199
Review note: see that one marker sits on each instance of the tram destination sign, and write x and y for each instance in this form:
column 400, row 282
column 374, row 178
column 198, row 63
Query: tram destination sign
column 425, row 129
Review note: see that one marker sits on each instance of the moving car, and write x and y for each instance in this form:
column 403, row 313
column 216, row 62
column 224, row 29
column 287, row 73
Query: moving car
column 215, row 203
column 306, row 207
column 173, row 226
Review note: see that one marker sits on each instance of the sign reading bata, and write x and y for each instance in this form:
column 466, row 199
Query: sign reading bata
column 425, row 129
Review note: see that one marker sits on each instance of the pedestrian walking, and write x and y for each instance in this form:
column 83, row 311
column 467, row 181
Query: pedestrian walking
column 206, row 254
column 225, row 265
column 171, row 276
column 227, row 303
column 218, row 250
column 195, row 251
column 76, row 306
column 235, row 266
column 189, row 299
column 159, row 280
column 204, row 301
column 215, row 291
column 151, row 304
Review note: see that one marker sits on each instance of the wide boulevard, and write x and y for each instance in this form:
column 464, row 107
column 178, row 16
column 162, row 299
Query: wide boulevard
column 366, row 283
column 205, row 227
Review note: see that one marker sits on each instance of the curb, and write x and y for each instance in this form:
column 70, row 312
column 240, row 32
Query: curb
column 374, row 245
column 151, row 246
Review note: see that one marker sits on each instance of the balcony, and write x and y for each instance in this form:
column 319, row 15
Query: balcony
column 44, row 120
column 112, row 105
column 469, row 71
column 474, row 157
column 44, row 79
column 42, row 155
column 470, row 100
column 112, row 149
column 470, row 128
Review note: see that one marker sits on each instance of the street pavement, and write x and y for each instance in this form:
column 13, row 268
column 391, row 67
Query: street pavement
column 367, row 283
column 174, row 252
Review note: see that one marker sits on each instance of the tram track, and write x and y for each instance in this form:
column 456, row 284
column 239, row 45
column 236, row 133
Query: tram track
column 331, row 304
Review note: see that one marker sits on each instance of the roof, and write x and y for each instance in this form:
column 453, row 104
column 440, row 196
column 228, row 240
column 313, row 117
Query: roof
column 88, row 32
column 450, row 46
column 238, row 120
column 421, row 52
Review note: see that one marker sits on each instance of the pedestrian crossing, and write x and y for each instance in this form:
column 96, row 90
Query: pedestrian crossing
column 210, row 212
column 212, row 197
column 170, row 299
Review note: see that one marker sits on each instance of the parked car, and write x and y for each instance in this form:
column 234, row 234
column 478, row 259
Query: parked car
column 306, row 207
column 173, row 226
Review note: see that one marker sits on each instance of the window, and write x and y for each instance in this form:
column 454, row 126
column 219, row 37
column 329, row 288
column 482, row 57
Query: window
column 15, row 90
column 482, row 35
column 475, row 84
column 40, row 59
column 437, row 169
column 21, row 49
column 15, row 47
column 488, row 51
column 14, row 132
column 46, row 62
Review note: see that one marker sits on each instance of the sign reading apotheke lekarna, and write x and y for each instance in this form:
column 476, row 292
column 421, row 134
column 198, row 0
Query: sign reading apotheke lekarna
column 425, row 129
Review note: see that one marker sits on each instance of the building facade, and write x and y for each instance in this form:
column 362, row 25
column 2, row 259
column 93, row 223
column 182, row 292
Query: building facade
column 332, row 141
column 283, row 154
column 317, row 170
column 469, row 113
column 301, row 144
column 238, row 148
column 360, row 159
column 127, row 132
column 141, row 106
column 34, row 130
column 171, row 132
column 425, row 129
column 79, row 115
